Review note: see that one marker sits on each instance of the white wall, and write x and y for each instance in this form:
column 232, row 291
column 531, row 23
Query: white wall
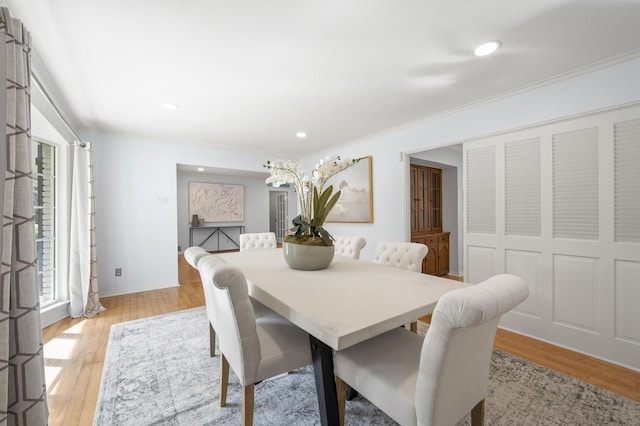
column 136, row 207
column 600, row 89
column 139, row 234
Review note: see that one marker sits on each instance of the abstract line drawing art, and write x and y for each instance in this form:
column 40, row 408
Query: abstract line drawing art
column 216, row 202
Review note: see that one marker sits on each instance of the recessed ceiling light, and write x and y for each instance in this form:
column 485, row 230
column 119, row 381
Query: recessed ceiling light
column 200, row 169
column 169, row 105
column 301, row 135
column 487, row 48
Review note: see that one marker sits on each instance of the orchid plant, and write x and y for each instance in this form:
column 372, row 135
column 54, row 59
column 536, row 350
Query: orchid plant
column 315, row 200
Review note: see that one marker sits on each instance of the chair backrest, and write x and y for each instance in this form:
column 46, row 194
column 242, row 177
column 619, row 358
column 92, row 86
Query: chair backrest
column 400, row 254
column 199, row 258
column 193, row 255
column 258, row 241
column 456, row 353
column 348, row 246
column 238, row 338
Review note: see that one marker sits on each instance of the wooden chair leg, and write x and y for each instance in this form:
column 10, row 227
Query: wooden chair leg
column 224, row 379
column 414, row 326
column 341, row 389
column 212, row 341
column 247, row 405
column 477, row 414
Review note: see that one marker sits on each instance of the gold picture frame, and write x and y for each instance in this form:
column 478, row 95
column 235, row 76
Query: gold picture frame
column 356, row 200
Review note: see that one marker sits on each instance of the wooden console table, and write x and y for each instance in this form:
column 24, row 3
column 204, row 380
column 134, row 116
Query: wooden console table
column 216, row 231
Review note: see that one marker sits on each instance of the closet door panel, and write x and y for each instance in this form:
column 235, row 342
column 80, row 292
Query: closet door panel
column 526, row 264
column 558, row 205
column 627, row 299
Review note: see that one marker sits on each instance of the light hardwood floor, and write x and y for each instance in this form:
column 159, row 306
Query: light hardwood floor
column 75, row 350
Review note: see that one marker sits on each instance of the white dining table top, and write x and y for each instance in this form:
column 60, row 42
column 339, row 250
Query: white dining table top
column 347, row 303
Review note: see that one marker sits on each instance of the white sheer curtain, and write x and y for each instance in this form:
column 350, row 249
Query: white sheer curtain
column 83, row 272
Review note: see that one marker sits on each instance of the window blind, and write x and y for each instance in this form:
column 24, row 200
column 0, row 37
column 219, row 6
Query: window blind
column 44, row 180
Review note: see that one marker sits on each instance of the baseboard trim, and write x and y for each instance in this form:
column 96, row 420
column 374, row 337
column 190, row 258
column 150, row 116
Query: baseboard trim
column 138, row 290
column 54, row 313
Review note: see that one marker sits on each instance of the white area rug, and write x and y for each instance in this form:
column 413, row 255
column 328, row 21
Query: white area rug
column 158, row 372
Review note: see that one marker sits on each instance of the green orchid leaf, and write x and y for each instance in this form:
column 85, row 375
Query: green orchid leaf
column 297, row 220
column 316, row 201
column 325, row 236
column 330, row 204
column 323, row 209
column 325, row 195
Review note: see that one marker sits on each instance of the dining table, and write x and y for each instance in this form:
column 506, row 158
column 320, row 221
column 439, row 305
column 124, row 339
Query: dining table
column 340, row 306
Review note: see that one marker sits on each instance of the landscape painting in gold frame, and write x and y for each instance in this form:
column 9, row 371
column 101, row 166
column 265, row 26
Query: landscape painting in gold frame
column 356, row 200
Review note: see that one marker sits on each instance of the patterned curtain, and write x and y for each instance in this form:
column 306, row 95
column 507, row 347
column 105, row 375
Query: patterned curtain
column 22, row 381
column 83, row 271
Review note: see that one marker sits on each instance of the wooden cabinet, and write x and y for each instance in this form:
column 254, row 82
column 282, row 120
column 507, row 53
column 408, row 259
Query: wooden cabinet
column 437, row 260
column 426, row 199
column 426, row 218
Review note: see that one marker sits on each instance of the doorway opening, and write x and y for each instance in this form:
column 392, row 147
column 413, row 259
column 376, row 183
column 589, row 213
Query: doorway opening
column 278, row 213
column 449, row 161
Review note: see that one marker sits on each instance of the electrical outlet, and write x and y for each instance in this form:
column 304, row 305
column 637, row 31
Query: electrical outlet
column 118, row 272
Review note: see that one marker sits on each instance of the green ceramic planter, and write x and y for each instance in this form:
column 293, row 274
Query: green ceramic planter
column 307, row 257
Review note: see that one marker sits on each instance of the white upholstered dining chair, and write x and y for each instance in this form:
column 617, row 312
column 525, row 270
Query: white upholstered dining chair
column 258, row 241
column 438, row 379
column 400, row 254
column 255, row 348
column 348, row 246
column 193, row 256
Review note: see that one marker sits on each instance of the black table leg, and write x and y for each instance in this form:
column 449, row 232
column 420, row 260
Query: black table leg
column 322, row 356
column 351, row 393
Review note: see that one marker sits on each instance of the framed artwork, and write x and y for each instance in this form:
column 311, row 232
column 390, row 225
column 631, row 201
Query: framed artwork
column 216, row 202
column 356, row 199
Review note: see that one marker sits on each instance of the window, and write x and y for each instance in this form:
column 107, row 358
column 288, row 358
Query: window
column 51, row 143
column 44, row 199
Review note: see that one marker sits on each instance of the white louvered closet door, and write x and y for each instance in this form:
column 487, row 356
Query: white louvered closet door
column 481, row 177
column 575, row 185
column 627, row 230
column 522, row 187
column 627, row 181
column 559, row 205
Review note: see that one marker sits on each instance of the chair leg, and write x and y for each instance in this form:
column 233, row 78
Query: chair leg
column 414, row 326
column 247, row 404
column 477, row 414
column 341, row 390
column 212, row 341
column 224, row 379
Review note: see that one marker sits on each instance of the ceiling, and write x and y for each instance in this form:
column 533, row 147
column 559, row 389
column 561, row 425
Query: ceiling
column 248, row 75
